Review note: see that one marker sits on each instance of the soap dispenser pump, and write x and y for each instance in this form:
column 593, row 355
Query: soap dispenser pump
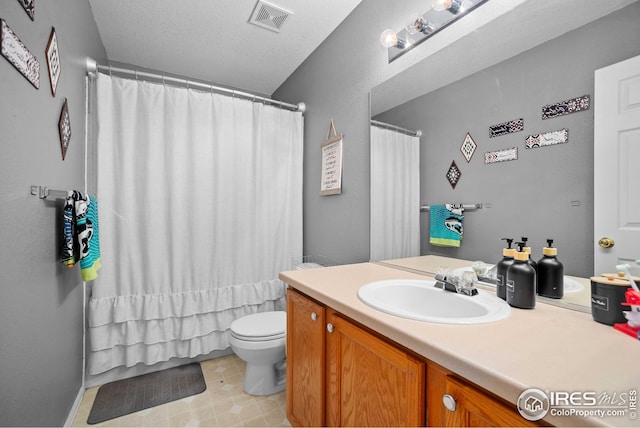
column 550, row 273
column 521, row 281
column 501, row 269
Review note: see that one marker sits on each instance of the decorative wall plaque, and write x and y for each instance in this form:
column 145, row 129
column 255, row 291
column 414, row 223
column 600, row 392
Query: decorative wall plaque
column 505, row 128
column 64, row 126
column 573, row 105
column 547, row 139
column 29, row 7
column 468, row 147
column 18, row 55
column 453, row 174
column 501, row 155
column 53, row 61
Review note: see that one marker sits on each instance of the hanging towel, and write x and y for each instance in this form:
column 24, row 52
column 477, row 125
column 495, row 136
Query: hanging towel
column 446, row 224
column 81, row 237
column 69, row 253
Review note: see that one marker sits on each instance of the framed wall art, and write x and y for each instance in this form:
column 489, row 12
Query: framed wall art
column 18, row 55
column 29, row 7
column 331, row 180
column 468, row 147
column 53, row 61
column 64, row 126
column 573, row 105
column 501, row 155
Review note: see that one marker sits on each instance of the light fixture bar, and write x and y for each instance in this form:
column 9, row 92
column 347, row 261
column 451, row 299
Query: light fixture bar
column 442, row 14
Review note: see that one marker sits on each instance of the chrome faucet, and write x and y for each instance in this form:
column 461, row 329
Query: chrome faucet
column 463, row 285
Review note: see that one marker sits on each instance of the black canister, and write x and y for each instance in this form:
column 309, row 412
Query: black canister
column 607, row 295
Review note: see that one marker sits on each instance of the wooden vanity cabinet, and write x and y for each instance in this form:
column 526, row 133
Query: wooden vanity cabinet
column 305, row 360
column 369, row 381
column 465, row 404
column 340, row 374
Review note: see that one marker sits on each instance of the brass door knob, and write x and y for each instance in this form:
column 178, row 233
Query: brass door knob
column 606, row 242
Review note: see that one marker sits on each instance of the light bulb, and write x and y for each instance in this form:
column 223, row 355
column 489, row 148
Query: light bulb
column 452, row 6
column 388, row 38
column 440, row 5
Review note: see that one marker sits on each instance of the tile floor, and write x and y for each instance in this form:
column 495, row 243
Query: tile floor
column 224, row 403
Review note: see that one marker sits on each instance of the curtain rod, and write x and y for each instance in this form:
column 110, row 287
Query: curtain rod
column 93, row 67
column 379, row 124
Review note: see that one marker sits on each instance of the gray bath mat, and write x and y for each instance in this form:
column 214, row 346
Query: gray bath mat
column 126, row 396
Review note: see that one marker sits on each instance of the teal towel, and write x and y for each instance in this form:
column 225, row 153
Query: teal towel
column 81, row 238
column 446, row 225
column 88, row 236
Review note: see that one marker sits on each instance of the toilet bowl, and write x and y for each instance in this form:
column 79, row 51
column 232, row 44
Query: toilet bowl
column 259, row 340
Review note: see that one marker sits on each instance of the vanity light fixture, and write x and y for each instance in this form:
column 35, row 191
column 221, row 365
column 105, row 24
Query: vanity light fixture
column 441, row 14
column 453, row 6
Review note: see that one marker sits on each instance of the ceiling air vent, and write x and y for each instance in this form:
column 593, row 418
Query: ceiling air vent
column 269, row 16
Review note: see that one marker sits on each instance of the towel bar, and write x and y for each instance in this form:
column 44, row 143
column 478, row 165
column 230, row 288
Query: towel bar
column 43, row 192
column 465, row 206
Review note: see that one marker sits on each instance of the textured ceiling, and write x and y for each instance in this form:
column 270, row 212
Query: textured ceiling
column 211, row 40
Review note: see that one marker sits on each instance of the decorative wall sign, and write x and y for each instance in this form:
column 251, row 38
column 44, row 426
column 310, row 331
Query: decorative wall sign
column 547, row 139
column 17, row 54
column 565, row 107
column 501, row 155
column 453, row 174
column 53, row 61
column 331, row 180
column 468, row 147
column 64, row 126
column 505, row 128
column 29, row 7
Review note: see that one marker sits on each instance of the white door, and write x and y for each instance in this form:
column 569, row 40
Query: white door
column 617, row 166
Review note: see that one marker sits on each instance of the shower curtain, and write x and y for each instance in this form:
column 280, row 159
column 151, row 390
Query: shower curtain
column 200, row 199
column 395, row 194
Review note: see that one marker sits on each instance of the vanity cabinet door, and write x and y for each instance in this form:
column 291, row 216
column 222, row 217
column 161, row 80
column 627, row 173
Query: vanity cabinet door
column 369, row 381
column 452, row 402
column 305, row 360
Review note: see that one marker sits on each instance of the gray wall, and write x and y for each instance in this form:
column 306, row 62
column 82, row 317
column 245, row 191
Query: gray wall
column 40, row 300
column 334, row 82
column 537, row 195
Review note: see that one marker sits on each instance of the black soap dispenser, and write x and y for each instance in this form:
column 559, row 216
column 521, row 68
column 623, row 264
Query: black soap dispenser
column 521, row 281
column 531, row 262
column 550, row 273
column 501, row 269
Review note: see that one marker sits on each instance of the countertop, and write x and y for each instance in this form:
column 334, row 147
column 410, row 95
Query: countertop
column 550, row 348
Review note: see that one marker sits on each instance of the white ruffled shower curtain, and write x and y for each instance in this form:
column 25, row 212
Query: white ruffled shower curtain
column 200, row 199
column 395, row 194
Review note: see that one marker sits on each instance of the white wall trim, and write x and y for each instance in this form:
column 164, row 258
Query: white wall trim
column 74, row 409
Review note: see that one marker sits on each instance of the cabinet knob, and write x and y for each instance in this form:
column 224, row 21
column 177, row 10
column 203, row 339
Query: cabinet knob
column 449, row 402
column 330, row 328
column 314, row 316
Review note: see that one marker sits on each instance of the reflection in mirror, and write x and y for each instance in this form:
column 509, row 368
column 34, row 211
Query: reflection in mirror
column 395, row 198
column 544, row 192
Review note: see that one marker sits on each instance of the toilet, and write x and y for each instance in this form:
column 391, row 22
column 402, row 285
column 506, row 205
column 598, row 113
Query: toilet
column 259, row 340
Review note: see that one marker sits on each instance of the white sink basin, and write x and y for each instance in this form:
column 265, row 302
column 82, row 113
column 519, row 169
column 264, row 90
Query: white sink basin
column 420, row 300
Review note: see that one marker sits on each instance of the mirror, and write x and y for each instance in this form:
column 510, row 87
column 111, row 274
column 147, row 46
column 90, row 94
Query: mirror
column 534, row 55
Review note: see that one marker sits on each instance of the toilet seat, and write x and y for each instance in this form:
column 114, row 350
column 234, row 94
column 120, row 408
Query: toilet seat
column 259, row 327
